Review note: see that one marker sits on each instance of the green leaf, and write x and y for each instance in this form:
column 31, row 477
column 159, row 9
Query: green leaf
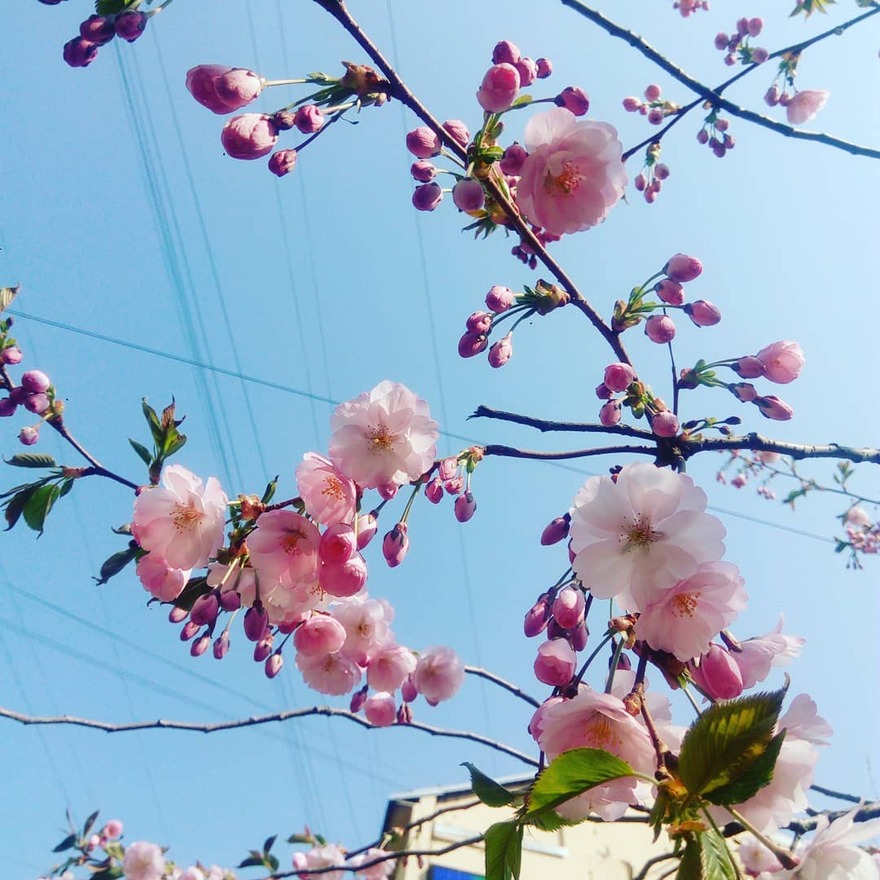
column 14, row 507
column 726, row 741
column 521, row 101
column 503, row 850
column 691, row 865
column 550, row 820
column 117, row 562
column 32, row 460
column 267, row 846
column 7, row 295
column 717, row 864
column 252, row 860
column 271, row 862
column 269, row 494
column 87, row 825
column 571, row 774
column 753, row 779
column 142, row 451
column 37, row 507
column 111, row 7
column 67, row 843
column 195, row 587
column 488, row 790
column 174, row 443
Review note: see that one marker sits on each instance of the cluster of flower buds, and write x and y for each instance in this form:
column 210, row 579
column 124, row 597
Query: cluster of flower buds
column 862, row 533
column 654, row 106
column 715, row 135
column 453, row 478
column 35, row 392
column 560, row 611
column 800, row 105
column 688, row 7
column 737, row 46
column 254, row 135
column 98, row 30
column 503, row 304
column 649, row 181
column 510, row 72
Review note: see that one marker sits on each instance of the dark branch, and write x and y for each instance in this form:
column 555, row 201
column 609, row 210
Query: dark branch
column 506, row 685
column 544, row 425
column 758, row 443
column 537, row 455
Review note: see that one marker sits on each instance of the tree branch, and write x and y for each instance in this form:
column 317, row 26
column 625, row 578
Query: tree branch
column 537, row 455
column 544, row 425
column 714, row 96
column 256, row 720
column 758, row 443
column 506, row 685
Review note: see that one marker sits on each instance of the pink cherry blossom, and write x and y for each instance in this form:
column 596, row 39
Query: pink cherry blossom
column 556, row 662
column 367, row 625
column 143, row 861
column 183, row 520
column 380, row 709
column 499, row 88
column 684, row 619
column 320, row 634
column 284, row 547
column 249, row 136
column 379, row 871
column 665, row 424
column 783, row 361
column 389, row 668
column 759, row 654
column 643, row 533
column 802, row 720
column 330, row 496
column 331, row 674
column 383, row 436
column 619, row 376
column 573, row 174
column 325, row 856
column 803, row 106
column 716, row 674
column 438, row 674
column 160, row 580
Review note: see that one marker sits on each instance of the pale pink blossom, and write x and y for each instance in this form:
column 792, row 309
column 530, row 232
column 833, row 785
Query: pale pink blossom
column 556, row 662
column 344, row 579
column 383, row 436
column 858, row 517
column 573, row 174
column 684, row 619
column 181, row 521
column 159, row 579
column 143, row 861
column 330, row 496
column 782, row 361
column 756, row 858
column 641, row 534
column 389, row 668
column 802, row 719
column 331, row 674
column 325, row 856
column 759, row 654
column 804, row 105
column 380, row 709
column 367, row 625
column 438, row 674
column 598, row 721
column 320, row 634
column 284, row 547
column 380, row 870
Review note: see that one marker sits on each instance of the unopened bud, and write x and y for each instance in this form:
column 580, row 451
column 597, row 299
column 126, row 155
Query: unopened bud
column 263, row 648
column 204, row 610
column 177, row 614
column 434, row 490
column 408, row 691
column 221, row 646
column 395, row 545
column 230, row 600
column 404, row 714
column 367, row 525
column 537, row 617
column 556, row 530
column 273, row 665
column 188, row 631
column 200, row 645
column 465, row 507
column 255, row 622
column 358, row 698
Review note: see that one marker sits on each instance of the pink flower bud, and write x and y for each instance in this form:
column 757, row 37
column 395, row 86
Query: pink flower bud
column 803, row 106
column 703, row 313
column 472, row 344
column 35, row 381
column 683, row 268
column 501, row 352
column 367, row 526
column 204, row 610
column 36, row 403
column 423, row 143
column 221, row 646
column 29, row 435
column 177, row 614
column 660, row 329
column 603, row 392
column 465, row 507
column 556, row 530
column 201, row 81
column 568, row 609
column 423, row 171
column 358, row 698
column 346, row 578
column 113, row 829
column 574, row 99
column 652, row 92
column 458, row 131
column 782, row 361
column 537, row 616
column 130, row 25
column 774, row 408
column 256, row 621
column 702, row 136
column 631, row 104
column 555, row 663
column 427, row 196
column 337, row 544
column 468, row 195
column 309, row 119
column 405, row 714
column 408, row 691
column 273, row 665
column 512, row 161
column 771, row 97
column 748, row 367
column 665, row 424
column 499, row 299
column 98, row 29
column 199, row 646
column 455, row 486
column 11, row 355
column 448, row 468
column 395, row 545
column 230, row 600
column 249, row 136
column 661, row 172
column 434, row 490
column 744, row 391
column 579, row 635
column 721, row 40
column 717, row 674
column 610, row 413
column 506, row 52
column 189, row 630
column 282, row 162
column 7, row 407
column 380, row 709
column 754, row 27
column 238, row 87
column 263, row 648
column 670, row 292
column 527, row 70
column 619, row 376
column 759, row 55
column 499, row 88
column 544, row 68
column 79, row 52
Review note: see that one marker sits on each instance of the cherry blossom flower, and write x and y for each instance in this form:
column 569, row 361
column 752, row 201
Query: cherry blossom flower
column 389, row 668
column 160, row 580
column 183, row 521
column 782, row 361
column 684, row 619
column 331, row 674
column 573, row 174
column 379, row 871
column 284, row 547
column 325, row 856
column 643, row 533
column 556, row 662
column 143, row 861
column 367, row 626
column 438, row 674
column 330, row 496
column 380, row 709
column 759, row 654
column 803, row 106
column 383, row 436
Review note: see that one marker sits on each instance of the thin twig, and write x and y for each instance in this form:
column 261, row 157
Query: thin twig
column 502, row 683
column 97, row 468
column 255, row 720
column 564, row 455
column 758, row 443
column 545, row 425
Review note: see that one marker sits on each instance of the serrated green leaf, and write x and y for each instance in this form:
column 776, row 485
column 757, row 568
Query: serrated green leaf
column 116, row 563
column 503, row 842
column 38, row 505
column 691, row 865
column 550, row 820
column 32, row 460
column 571, row 774
column 490, row 792
column 143, row 453
column 715, row 857
column 753, row 779
column 67, row 843
column 727, row 740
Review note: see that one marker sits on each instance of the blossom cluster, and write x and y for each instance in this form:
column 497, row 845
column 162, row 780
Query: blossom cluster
column 297, row 567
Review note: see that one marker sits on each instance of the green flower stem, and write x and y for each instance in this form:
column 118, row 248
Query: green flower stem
column 615, row 659
column 267, row 83
column 786, row 858
column 409, row 503
column 577, row 679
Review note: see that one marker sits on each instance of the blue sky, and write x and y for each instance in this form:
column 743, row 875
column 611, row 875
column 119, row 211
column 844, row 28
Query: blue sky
column 122, row 217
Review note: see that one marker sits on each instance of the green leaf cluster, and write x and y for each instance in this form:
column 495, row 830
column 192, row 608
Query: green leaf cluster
column 33, row 501
column 166, row 439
